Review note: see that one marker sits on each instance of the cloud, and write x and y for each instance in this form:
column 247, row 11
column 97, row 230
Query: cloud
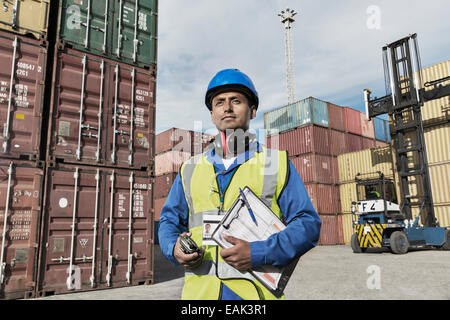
column 336, row 54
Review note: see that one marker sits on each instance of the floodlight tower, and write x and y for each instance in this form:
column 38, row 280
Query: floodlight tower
column 287, row 19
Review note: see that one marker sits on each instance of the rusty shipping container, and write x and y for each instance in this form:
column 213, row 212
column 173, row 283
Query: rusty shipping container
column 159, row 203
column 324, row 197
column 336, row 117
column 170, row 161
column 20, row 213
column 367, row 129
column 97, row 229
column 353, row 142
column 331, row 232
column 309, row 139
column 352, row 121
column 102, row 113
column 337, row 142
column 26, row 17
column 22, row 84
column 181, row 140
column 314, row 168
column 163, row 184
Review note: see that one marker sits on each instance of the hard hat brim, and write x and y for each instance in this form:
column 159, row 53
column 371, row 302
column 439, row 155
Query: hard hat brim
column 252, row 98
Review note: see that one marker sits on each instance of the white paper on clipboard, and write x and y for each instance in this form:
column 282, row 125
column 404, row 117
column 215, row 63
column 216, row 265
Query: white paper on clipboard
column 239, row 224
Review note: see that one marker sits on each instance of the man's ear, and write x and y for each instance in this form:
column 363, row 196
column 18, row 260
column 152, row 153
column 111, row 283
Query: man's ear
column 252, row 112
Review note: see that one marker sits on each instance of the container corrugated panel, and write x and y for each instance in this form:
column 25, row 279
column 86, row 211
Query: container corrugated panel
column 163, row 184
column 331, row 230
column 324, row 197
column 173, row 138
column 336, row 117
column 312, row 111
column 124, row 30
column 103, row 112
column 437, row 143
column 442, row 214
column 22, row 185
column 365, row 162
column 437, row 108
column 368, row 143
column 314, row 168
column 170, row 161
column 25, row 17
column 347, row 227
column 379, row 126
column 159, row 204
column 98, row 229
column 353, row 142
column 379, row 144
column 367, row 129
column 22, row 81
column 347, row 192
column 352, row 121
column 337, row 142
column 282, row 119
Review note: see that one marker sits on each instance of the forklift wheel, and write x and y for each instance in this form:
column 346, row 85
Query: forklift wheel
column 355, row 244
column 446, row 245
column 399, row 242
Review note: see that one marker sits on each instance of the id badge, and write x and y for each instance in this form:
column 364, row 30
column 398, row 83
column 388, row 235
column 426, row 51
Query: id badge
column 210, row 223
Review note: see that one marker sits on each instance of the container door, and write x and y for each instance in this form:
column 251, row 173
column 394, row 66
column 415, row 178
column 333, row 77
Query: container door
column 127, row 244
column 25, row 17
column 73, row 207
column 21, row 95
column 78, row 109
column 20, row 191
column 85, row 24
column 134, row 31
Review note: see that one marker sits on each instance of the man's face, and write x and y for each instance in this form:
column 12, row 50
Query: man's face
column 231, row 110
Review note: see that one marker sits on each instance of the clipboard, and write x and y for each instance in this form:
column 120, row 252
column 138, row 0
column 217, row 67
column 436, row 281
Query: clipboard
column 238, row 223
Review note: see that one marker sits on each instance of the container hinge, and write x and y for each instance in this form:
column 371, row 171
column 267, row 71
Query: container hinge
column 5, row 220
column 11, row 85
column 130, row 222
column 111, row 208
column 70, row 279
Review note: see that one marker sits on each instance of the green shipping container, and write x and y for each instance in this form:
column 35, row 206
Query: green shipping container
column 123, row 30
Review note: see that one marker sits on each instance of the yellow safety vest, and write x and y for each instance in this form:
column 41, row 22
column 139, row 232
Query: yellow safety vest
column 265, row 174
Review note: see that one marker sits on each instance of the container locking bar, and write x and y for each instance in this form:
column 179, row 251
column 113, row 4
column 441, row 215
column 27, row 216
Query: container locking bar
column 100, row 111
column 111, row 208
column 130, row 222
column 5, row 219
column 113, row 153
column 130, row 143
column 94, row 236
column 105, row 30
column 8, row 114
column 119, row 31
column 135, row 40
column 81, row 126
column 70, row 280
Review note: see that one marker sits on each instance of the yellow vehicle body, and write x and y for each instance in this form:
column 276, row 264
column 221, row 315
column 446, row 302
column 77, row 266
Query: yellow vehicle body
column 370, row 235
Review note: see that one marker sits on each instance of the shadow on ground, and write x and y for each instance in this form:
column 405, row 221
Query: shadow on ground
column 164, row 269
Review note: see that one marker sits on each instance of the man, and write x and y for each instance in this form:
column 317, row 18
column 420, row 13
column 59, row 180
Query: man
column 209, row 183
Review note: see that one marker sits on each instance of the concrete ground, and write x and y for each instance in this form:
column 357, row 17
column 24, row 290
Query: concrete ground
column 324, row 273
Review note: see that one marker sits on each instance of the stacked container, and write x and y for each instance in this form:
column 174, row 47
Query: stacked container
column 314, row 133
column 97, row 230
column 77, row 113
column 173, row 147
column 24, row 52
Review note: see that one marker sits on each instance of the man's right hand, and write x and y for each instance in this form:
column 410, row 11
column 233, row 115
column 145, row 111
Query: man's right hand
column 190, row 261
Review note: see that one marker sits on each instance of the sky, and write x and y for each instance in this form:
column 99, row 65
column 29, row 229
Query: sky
column 337, row 50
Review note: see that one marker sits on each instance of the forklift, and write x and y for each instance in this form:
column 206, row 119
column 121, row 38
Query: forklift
column 381, row 222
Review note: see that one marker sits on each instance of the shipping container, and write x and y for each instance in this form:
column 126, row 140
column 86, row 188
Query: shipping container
column 347, row 193
column 353, row 142
column 26, row 17
column 367, row 129
column 338, row 143
column 324, row 197
column 352, row 121
column 336, row 117
column 347, row 227
column 312, row 111
column 379, row 126
column 365, row 162
column 437, row 143
column 331, row 230
column 102, row 113
column 20, row 212
column 170, row 161
column 314, row 168
column 368, row 143
column 437, row 108
column 159, row 203
column 309, row 139
column 123, row 30
column 181, row 140
column 97, row 229
column 163, row 184
column 22, row 85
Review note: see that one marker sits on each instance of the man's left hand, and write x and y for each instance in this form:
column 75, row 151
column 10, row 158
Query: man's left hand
column 238, row 256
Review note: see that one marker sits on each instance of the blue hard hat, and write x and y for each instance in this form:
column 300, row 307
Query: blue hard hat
column 233, row 79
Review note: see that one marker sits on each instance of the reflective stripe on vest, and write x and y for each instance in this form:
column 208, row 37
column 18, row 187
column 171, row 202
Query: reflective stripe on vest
column 265, row 174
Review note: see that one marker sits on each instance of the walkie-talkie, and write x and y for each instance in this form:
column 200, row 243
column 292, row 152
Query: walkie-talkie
column 188, row 246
